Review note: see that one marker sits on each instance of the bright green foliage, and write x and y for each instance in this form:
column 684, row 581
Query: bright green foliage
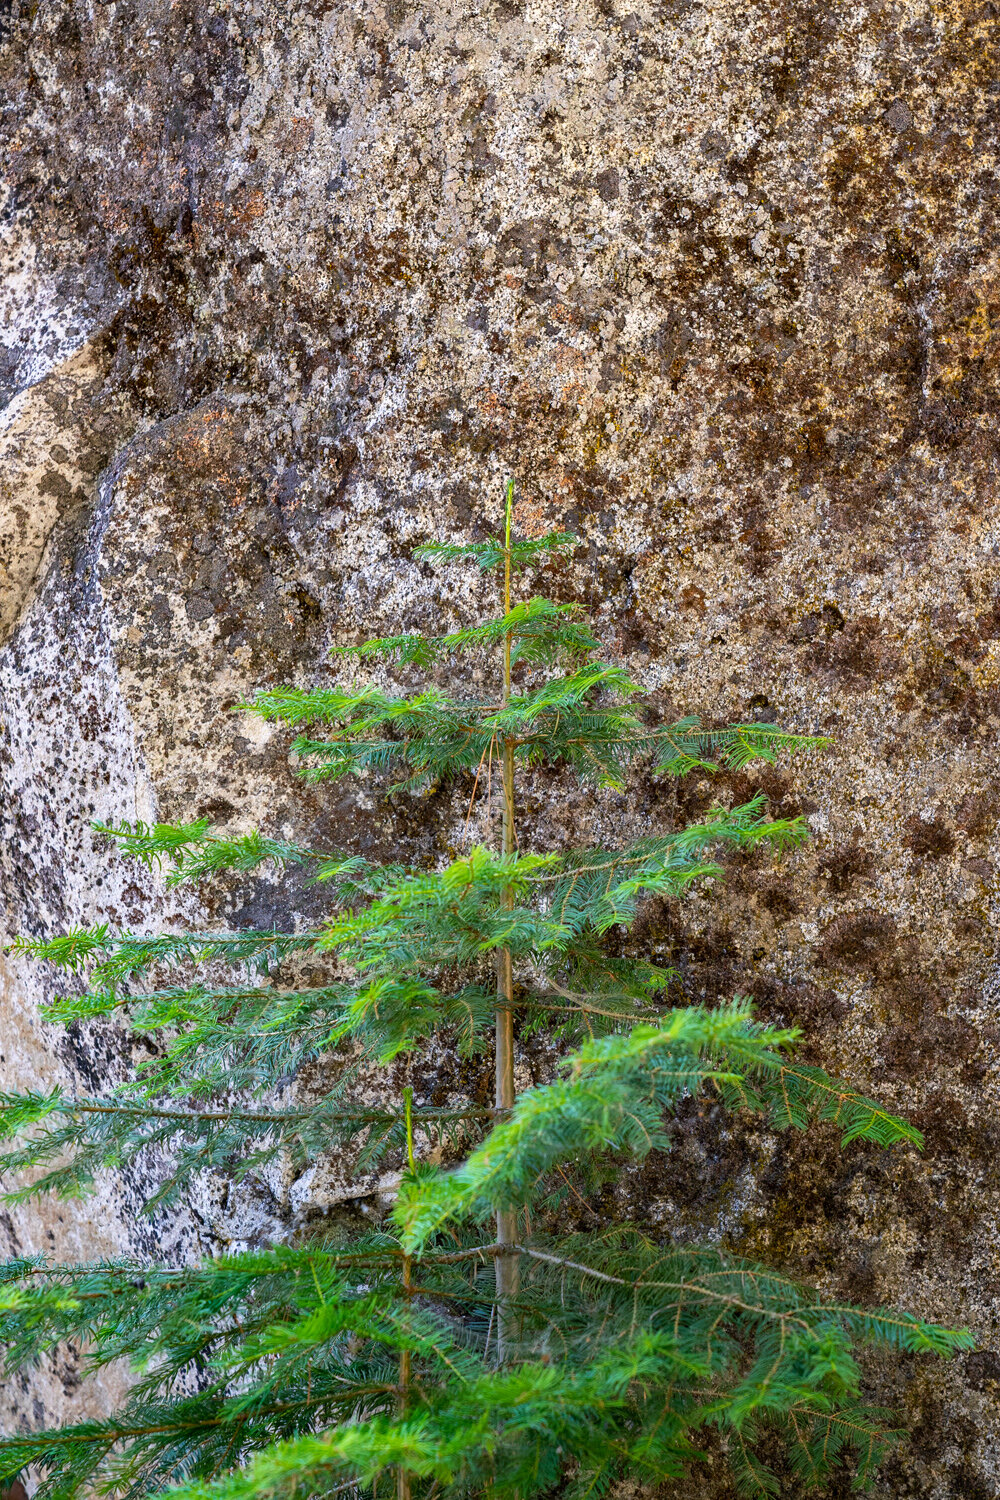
column 430, row 735
column 413, row 1361
column 617, row 1097
column 541, row 633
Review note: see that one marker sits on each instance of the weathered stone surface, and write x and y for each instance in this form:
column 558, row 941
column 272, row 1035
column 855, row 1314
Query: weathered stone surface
column 287, row 287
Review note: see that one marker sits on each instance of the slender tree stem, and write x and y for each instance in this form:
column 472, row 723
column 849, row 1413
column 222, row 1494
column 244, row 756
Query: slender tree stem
column 507, row 1270
column 403, row 1488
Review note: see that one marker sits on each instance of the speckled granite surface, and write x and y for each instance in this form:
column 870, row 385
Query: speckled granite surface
column 284, row 288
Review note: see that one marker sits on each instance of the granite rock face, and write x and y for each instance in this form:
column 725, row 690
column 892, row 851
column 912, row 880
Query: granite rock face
column 286, row 288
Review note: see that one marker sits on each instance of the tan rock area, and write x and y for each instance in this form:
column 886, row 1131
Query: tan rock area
column 286, row 288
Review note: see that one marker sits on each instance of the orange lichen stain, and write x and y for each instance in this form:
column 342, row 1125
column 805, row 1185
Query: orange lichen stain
column 242, row 209
column 299, row 135
column 565, row 357
column 493, row 407
column 205, row 447
column 254, row 206
column 117, row 216
column 693, row 597
column 531, row 518
column 969, row 339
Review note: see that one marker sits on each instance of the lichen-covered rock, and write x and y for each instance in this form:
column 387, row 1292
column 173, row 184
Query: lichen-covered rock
column 285, row 288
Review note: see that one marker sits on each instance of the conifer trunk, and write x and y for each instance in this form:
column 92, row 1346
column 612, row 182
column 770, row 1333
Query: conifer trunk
column 403, row 1486
column 506, row 1265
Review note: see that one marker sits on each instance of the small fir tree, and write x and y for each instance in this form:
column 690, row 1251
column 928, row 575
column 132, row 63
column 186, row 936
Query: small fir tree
column 433, row 1357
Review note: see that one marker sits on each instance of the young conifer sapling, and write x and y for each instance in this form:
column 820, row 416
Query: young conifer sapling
column 475, row 1343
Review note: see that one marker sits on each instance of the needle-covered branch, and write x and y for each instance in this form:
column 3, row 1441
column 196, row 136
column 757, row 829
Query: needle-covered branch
column 582, row 719
column 541, row 634
column 651, row 1331
column 65, row 1143
column 617, row 1096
